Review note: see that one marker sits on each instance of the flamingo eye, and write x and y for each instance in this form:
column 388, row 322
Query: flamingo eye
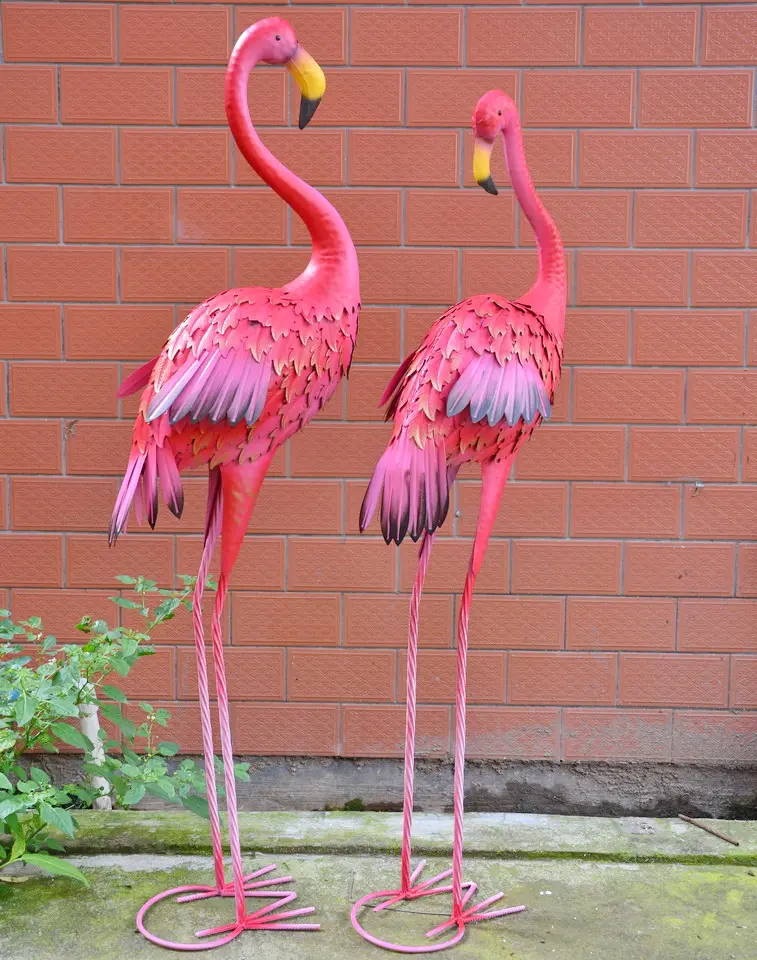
column 499, row 112
column 278, row 37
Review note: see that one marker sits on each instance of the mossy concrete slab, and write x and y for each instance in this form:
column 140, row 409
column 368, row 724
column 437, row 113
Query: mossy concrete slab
column 576, row 911
column 489, row 835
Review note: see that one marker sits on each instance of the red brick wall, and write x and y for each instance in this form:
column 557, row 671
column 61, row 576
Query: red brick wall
column 614, row 617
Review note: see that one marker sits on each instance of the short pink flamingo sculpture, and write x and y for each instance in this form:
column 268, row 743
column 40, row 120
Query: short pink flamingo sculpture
column 242, row 373
column 475, row 390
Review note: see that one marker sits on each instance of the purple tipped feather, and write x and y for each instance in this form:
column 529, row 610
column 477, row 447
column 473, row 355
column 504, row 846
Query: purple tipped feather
column 494, row 391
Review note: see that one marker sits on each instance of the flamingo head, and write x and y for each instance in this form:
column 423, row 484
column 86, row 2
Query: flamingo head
column 494, row 113
column 278, row 44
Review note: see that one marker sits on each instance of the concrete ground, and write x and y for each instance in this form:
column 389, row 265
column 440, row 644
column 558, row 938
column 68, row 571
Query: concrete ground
column 627, row 889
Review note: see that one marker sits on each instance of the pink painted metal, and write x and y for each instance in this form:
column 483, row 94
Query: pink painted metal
column 245, row 371
column 474, row 391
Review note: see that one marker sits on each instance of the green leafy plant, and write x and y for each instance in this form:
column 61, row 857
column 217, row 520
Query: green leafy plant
column 45, row 689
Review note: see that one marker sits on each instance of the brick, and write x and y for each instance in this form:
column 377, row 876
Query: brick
column 511, row 273
column 29, row 213
column 501, row 733
column 155, row 273
column 322, row 164
column 61, row 610
column 365, row 386
column 60, row 504
column 695, row 98
column 364, row 98
column 58, row 155
column 165, row 34
column 285, row 729
column 750, row 455
column 379, row 731
column 183, row 726
column 200, row 96
column 71, row 389
column 720, row 513
column 623, row 624
column 105, row 444
column 542, row 567
column 251, row 674
column 689, row 339
column 271, row 267
column 721, row 397
column 744, row 682
column 151, row 677
column 562, row 678
column 101, row 215
column 724, row 279
column 683, row 454
column 30, row 446
column 726, row 159
column 382, row 621
column 548, row 37
column 361, row 565
column 338, row 450
column 722, row 737
column 586, row 219
column 30, row 560
column 29, row 94
column 426, row 158
column 597, row 336
column 729, row 36
column 550, row 156
column 342, row 675
column 588, row 98
column 116, row 95
column 447, row 570
column 722, row 626
column 297, row 506
column 553, row 454
column 61, row 273
column 38, row 31
column 417, row 324
column 634, row 277
column 260, row 565
column 321, row 30
column 529, row 623
column 678, row 569
column 431, row 214
column 462, row 88
column 628, row 396
column 417, row 36
column 371, row 216
column 617, row 734
column 634, row 158
column 689, row 220
column 747, row 570
column 408, row 276
column 116, row 332
column 437, row 672
column 681, row 680
column 174, row 156
column 625, row 510
column 230, row 216
column 640, row 37
column 527, row 510
column 285, row 619
column 30, row 332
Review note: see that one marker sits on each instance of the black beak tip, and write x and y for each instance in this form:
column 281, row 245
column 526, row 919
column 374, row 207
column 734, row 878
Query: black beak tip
column 307, row 109
column 489, row 185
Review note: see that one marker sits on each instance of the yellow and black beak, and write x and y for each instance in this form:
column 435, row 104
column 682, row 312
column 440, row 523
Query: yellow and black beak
column 482, row 172
column 310, row 80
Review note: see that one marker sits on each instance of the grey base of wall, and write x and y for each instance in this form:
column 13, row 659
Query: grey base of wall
column 526, row 786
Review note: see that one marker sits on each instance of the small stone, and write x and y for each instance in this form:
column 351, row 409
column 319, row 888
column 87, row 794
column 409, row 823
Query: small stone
column 751, row 873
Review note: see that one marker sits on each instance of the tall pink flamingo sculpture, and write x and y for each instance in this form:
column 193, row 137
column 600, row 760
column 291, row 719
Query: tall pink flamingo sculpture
column 475, row 390
column 242, row 373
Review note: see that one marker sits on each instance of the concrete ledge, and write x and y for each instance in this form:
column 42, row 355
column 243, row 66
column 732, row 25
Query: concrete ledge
column 500, row 836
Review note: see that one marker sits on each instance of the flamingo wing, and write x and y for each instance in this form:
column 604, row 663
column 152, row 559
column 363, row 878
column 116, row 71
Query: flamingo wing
column 495, row 391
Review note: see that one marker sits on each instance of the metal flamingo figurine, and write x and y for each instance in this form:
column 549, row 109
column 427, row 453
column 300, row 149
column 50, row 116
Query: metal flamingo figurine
column 242, row 373
column 474, row 391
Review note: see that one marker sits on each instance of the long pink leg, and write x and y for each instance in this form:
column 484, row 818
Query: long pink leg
column 494, row 479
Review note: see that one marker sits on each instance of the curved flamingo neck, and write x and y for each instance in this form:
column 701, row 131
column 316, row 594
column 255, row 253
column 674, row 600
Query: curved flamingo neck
column 333, row 251
column 550, row 289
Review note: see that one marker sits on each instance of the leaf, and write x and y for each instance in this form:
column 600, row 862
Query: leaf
column 64, row 706
column 34, row 622
column 121, row 666
column 52, row 843
column 113, row 693
column 7, row 739
column 129, row 770
column 198, row 805
column 134, row 794
column 125, row 602
column 166, row 609
column 126, row 726
column 168, row 749
column 57, row 817
column 48, row 643
column 129, row 646
column 5, row 613
column 56, row 866
column 162, row 788
column 145, row 707
column 39, row 776
column 72, row 736
column 5, row 783
column 24, row 709
column 8, row 807
column 122, row 578
column 85, row 624
column 19, row 845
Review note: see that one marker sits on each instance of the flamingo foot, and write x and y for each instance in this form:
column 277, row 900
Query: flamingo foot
column 415, row 891
column 263, row 919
